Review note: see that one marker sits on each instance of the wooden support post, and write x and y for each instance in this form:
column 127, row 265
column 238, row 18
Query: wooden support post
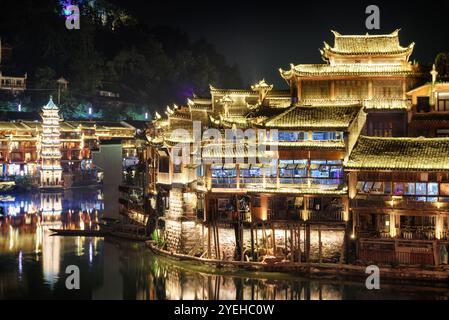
column 292, row 244
column 252, row 241
column 299, row 243
column 320, row 246
column 286, row 243
column 435, row 253
column 218, row 242
column 209, row 241
column 241, row 240
column 273, row 238
column 307, row 243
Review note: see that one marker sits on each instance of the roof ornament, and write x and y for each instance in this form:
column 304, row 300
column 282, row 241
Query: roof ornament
column 396, row 32
column 434, row 74
column 336, row 33
column 263, row 88
column 169, row 111
column 50, row 105
column 227, row 102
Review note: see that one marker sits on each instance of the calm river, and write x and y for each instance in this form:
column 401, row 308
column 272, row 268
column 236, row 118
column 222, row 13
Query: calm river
column 33, row 263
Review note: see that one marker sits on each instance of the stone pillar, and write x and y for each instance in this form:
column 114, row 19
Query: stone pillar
column 181, row 231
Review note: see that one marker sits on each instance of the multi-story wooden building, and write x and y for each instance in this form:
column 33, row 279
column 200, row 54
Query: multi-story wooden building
column 429, row 115
column 300, row 175
column 399, row 198
column 8, row 81
column 22, row 142
column 373, row 70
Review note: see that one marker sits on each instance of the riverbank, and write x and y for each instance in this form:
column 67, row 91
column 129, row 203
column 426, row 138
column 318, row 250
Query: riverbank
column 319, row 270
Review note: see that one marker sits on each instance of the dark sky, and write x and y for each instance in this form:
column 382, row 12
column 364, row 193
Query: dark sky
column 263, row 36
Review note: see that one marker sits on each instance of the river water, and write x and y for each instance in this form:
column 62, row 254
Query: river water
column 33, row 263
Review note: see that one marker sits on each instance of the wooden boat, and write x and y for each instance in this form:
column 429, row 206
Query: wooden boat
column 79, row 233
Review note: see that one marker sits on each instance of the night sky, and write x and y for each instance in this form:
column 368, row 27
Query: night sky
column 262, row 37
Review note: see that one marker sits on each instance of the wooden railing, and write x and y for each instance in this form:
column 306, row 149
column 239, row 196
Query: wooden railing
column 271, row 182
column 411, row 203
column 396, row 251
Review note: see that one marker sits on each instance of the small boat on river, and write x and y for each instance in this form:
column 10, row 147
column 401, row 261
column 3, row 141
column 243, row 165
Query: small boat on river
column 79, row 233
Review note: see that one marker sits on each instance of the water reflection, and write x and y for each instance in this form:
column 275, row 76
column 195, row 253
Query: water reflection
column 33, row 263
column 25, row 229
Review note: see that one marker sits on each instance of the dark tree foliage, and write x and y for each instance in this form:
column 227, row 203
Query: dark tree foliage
column 113, row 51
column 442, row 65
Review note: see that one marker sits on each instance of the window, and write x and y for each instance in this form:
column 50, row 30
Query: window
column 442, row 133
column 383, row 129
column 432, row 189
column 387, row 187
column 423, row 104
column 443, row 101
column 421, row 188
column 293, row 168
column 292, row 136
column 177, row 168
column 164, row 165
column 398, row 189
column 323, row 136
column 444, row 189
column 368, row 186
column 360, row 185
column 226, row 171
column 200, row 171
column 409, row 188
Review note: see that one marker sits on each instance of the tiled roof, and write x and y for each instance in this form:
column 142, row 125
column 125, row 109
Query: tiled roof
column 420, row 154
column 309, row 145
column 368, row 44
column 50, row 105
column 181, row 114
column 200, row 104
column 214, row 90
column 387, row 104
column 380, row 104
column 219, row 151
column 305, row 70
column 319, row 117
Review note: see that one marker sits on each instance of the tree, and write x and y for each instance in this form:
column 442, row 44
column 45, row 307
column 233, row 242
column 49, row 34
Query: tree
column 113, row 51
column 442, row 64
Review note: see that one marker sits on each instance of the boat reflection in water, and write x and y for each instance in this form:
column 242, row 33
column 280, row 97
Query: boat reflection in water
column 33, row 263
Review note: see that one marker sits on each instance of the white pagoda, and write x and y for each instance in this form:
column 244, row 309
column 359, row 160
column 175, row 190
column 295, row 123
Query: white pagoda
column 50, row 154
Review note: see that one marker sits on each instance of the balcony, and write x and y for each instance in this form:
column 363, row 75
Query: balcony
column 271, row 183
column 394, row 251
column 421, row 203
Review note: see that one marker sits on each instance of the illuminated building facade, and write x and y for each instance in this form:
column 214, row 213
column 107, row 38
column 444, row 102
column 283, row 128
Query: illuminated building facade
column 371, row 69
column 21, row 146
column 429, row 115
column 336, row 183
column 9, row 82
